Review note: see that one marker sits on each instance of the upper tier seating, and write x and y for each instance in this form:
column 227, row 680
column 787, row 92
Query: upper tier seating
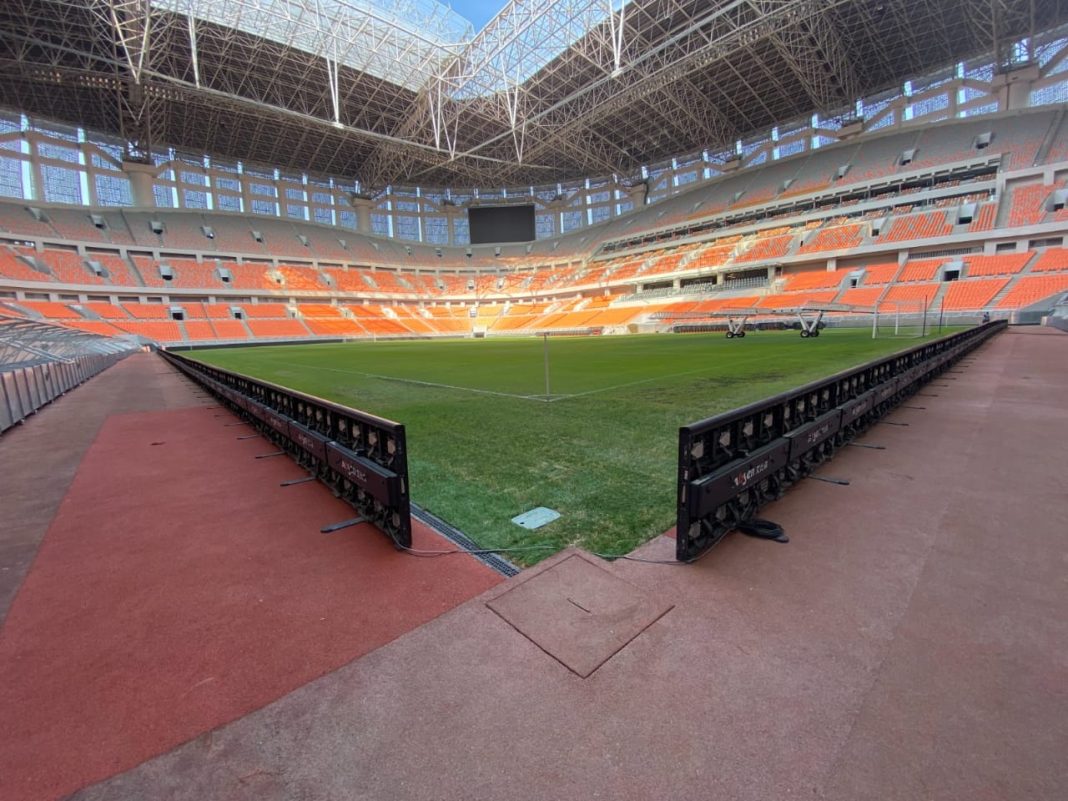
column 924, row 225
column 880, row 273
column 1000, row 264
column 920, row 270
column 16, row 269
column 50, row 310
column 1053, row 259
column 116, row 267
column 817, row 279
column 862, row 296
column 969, row 295
column 249, row 275
column 984, row 218
column 69, row 268
column 301, row 278
column 770, row 244
column 909, row 296
column 834, row 237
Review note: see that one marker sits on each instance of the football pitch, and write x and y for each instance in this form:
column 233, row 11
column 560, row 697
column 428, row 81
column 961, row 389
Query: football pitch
column 486, row 442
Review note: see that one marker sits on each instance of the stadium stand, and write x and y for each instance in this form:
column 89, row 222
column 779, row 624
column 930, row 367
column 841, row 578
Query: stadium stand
column 834, row 237
column 965, row 295
column 1030, row 289
column 880, row 273
column 925, row 225
column 920, row 270
column 1051, row 260
column 1001, row 264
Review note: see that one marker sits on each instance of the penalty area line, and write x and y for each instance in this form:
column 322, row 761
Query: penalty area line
column 417, row 382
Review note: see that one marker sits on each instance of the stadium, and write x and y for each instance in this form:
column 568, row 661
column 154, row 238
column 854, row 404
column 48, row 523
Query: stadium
column 566, row 399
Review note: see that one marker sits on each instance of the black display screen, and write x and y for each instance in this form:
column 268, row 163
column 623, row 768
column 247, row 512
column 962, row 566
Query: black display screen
column 496, row 224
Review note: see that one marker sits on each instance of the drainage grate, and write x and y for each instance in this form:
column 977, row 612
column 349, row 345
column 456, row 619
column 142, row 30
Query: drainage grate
column 457, row 537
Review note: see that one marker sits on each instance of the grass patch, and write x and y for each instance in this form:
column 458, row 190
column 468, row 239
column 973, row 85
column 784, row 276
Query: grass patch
column 484, row 443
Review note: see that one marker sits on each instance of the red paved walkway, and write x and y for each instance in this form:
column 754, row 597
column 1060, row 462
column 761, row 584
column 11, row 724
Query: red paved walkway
column 179, row 587
column 911, row 642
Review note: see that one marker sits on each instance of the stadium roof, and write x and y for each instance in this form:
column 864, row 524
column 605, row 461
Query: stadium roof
column 407, row 92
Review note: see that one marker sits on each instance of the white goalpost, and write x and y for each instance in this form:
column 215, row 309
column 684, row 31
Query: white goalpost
column 902, row 319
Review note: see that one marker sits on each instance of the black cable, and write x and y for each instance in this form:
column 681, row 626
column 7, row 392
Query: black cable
column 479, row 551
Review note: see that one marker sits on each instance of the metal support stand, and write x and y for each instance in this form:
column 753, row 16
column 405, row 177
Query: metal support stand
column 269, row 455
column 249, row 436
column 343, row 524
column 888, row 423
column 295, row 481
column 862, row 445
column 841, row 482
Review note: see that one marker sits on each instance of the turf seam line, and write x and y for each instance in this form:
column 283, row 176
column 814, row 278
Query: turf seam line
column 418, row 382
column 457, row 537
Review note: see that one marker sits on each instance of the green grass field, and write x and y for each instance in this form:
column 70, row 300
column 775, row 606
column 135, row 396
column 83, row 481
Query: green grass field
column 484, row 443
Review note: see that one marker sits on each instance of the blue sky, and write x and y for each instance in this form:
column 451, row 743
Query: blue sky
column 478, row 12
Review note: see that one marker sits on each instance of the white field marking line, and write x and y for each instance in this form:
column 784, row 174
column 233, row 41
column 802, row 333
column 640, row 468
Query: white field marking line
column 540, row 398
column 556, row 398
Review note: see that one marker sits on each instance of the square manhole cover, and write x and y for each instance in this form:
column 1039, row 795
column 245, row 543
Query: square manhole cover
column 578, row 613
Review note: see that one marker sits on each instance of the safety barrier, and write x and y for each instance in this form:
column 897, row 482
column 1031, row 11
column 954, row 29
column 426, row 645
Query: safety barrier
column 26, row 388
column 361, row 457
column 731, row 464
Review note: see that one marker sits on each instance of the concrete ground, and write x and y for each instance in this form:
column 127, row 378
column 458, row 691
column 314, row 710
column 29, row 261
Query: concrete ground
column 910, row 642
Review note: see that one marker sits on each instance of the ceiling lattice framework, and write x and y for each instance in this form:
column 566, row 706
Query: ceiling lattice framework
column 551, row 90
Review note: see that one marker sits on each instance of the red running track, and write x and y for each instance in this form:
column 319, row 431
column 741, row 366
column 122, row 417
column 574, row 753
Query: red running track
column 179, row 588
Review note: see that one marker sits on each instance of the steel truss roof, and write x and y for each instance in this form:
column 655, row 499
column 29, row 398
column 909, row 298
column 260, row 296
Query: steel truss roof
column 550, row 90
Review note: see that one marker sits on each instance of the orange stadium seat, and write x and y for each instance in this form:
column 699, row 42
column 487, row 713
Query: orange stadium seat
column 908, row 293
column 880, row 273
column 918, row 226
column 158, row 331
column 862, row 296
column 1026, row 204
column 984, row 217
column 50, row 310
column 1000, row 264
column 199, row 329
column 148, row 311
column 69, row 268
column 229, row 329
column 1030, row 289
column 13, row 268
column 277, row 328
column 920, row 270
column 814, row 279
column 970, row 295
column 836, row 237
column 1051, row 260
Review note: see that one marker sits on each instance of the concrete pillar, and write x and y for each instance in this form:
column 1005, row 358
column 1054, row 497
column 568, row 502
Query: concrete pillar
column 451, row 213
column 1013, row 89
column 556, row 208
column 142, row 177
column 832, row 265
column 638, row 194
column 363, row 206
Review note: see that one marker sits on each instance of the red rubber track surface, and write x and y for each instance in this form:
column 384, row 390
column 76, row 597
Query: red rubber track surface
column 179, row 588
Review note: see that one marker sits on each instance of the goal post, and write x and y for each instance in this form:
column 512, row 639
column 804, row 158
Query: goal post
column 900, row 319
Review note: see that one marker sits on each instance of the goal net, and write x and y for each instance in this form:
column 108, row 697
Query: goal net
column 904, row 319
